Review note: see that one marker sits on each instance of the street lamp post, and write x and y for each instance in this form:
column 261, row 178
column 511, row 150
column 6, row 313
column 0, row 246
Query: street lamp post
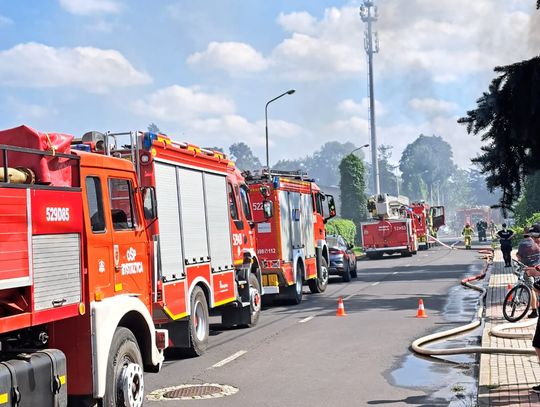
column 289, row 92
column 359, row 148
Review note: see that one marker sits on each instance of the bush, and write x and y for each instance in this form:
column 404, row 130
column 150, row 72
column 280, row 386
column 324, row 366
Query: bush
column 343, row 227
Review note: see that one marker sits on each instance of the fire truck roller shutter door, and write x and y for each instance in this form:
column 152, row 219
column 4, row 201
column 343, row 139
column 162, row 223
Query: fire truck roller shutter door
column 170, row 238
column 295, row 203
column 193, row 213
column 307, row 224
column 215, row 187
column 285, row 223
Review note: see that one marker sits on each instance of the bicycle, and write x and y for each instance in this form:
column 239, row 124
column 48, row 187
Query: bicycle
column 518, row 299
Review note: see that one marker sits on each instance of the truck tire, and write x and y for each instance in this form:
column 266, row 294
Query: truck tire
column 346, row 276
column 125, row 384
column 199, row 323
column 354, row 271
column 406, row 253
column 255, row 300
column 318, row 285
column 374, row 256
column 293, row 293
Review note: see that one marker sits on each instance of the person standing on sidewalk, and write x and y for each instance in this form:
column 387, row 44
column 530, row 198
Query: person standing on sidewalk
column 534, row 234
column 505, row 239
column 529, row 254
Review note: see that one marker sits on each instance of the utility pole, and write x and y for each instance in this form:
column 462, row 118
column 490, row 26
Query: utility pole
column 369, row 14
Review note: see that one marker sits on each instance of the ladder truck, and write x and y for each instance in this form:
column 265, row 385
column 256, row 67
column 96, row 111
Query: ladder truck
column 109, row 255
column 290, row 212
column 392, row 229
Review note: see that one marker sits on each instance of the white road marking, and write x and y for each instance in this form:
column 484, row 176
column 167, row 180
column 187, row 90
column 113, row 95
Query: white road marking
column 229, row 359
column 306, row 319
column 376, row 283
column 349, row 297
column 395, row 272
column 407, row 265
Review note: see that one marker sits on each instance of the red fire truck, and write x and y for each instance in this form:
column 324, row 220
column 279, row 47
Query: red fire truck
column 103, row 247
column 291, row 244
column 392, row 230
column 427, row 221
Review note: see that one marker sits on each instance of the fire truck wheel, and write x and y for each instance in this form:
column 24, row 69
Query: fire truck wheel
column 346, row 276
column 354, row 271
column 125, row 384
column 293, row 293
column 255, row 300
column 319, row 284
column 199, row 325
column 406, row 253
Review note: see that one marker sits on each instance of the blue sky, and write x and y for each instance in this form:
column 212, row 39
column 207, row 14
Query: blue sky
column 203, row 70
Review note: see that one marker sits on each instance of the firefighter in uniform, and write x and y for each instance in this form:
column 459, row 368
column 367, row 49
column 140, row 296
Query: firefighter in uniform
column 467, row 232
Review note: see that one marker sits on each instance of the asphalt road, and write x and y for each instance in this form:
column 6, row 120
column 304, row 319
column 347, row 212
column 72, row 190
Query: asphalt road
column 306, row 356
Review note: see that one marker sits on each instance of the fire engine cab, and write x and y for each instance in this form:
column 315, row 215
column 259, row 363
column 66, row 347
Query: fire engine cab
column 427, row 219
column 108, row 255
column 291, row 241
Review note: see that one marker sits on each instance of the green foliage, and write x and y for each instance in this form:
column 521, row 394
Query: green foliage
column 427, row 161
column 507, row 119
column 530, row 200
column 352, row 187
column 242, row 154
column 343, row 227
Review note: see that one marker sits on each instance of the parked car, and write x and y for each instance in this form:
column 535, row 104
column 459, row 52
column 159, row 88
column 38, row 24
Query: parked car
column 342, row 258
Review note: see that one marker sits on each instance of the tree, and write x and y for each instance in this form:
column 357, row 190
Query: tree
column 530, row 201
column 243, row 156
column 508, row 120
column 480, row 195
column 153, row 128
column 324, row 164
column 388, row 180
column 426, row 163
column 352, row 189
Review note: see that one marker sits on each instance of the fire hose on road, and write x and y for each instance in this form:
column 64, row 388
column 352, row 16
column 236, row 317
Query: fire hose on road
column 418, row 344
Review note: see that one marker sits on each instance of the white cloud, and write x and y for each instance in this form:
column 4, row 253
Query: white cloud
column 349, row 106
column 233, row 57
column 92, row 69
column 178, row 104
column 430, row 106
column 90, row 7
column 301, row 22
column 209, row 119
column 446, row 39
column 5, row 20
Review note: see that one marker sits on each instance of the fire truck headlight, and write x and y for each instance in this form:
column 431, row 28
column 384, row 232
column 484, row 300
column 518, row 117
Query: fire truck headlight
column 145, row 158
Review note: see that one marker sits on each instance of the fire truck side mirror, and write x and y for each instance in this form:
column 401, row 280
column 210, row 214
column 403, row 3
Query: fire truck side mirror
column 331, row 207
column 149, row 203
column 265, row 191
column 268, row 209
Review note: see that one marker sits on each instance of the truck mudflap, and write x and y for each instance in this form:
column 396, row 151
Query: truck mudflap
column 34, row 379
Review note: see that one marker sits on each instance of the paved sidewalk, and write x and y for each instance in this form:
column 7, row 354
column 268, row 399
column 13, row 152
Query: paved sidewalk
column 505, row 380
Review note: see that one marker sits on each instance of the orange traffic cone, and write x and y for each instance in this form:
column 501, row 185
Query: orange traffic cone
column 421, row 312
column 340, row 308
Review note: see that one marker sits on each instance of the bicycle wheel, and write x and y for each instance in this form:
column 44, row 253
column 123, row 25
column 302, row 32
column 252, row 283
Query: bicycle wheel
column 517, row 303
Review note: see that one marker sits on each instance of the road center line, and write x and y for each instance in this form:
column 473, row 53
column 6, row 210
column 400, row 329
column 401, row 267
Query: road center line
column 229, row 359
column 376, row 283
column 395, row 272
column 306, row 319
